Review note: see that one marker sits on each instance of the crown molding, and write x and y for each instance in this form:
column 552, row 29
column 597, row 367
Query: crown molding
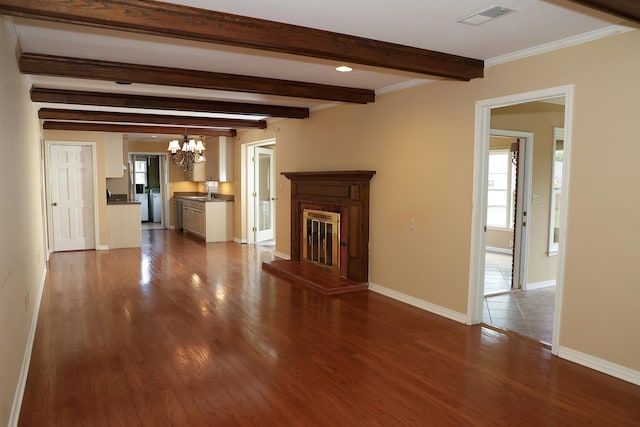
column 558, row 44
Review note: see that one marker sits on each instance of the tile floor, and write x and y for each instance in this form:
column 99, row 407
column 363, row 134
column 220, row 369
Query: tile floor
column 527, row 313
column 497, row 273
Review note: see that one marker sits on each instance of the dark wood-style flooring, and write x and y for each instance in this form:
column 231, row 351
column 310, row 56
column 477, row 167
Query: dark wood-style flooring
column 183, row 333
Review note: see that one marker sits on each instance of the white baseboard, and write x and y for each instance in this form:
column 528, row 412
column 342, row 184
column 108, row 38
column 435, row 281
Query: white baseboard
column 102, row 248
column 282, row 255
column 539, row 285
column 239, row 240
column 499, row 250
column 24, row 371
column 600, row 365
column 416, row 302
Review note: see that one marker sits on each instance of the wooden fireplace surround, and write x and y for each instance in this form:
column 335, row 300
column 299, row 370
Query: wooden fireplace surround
column 346, row 192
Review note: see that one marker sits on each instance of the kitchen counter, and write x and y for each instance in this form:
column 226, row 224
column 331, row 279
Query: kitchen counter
column 204, row 198
column 120, row 199
column 122, row 202
column 202, row 216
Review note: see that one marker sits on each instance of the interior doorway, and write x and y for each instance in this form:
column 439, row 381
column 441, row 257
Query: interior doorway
column 149, row 185
column 484, row 119
column 508, row 205
column 70, row 190
column 261, row 199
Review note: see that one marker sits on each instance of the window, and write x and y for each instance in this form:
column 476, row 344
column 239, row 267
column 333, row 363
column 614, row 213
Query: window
column 556, row 190
column 141, row 172
column 501, row 189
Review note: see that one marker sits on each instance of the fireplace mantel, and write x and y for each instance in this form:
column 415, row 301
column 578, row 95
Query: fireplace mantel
column 346, row 192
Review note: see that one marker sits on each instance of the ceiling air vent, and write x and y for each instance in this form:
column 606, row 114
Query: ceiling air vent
column 486, row 15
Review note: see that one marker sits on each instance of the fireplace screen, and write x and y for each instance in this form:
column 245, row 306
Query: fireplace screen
column 322, row 233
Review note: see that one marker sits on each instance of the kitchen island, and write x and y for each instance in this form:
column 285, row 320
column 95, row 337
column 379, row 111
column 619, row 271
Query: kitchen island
column 209, row 218
column 125, row 228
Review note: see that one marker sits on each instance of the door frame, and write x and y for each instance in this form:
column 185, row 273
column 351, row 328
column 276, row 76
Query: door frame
column 272, row 181
column 479, row 202
column 163, row 168
column 523, row 202
column 246, row 188
column 94, row 179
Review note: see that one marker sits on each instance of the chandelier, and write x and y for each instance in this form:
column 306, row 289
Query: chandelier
column 191, row 153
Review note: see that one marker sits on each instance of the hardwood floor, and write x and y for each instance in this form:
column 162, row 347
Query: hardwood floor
column 183, row 333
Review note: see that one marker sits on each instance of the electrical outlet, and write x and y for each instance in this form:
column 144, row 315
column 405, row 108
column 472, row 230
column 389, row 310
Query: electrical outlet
column 536, row 199
column 412, row 224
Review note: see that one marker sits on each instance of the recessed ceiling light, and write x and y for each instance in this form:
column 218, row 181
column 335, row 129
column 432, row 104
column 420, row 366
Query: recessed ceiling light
column 486, row 15
column 344, row 69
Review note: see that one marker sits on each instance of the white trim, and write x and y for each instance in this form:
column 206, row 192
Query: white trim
column 102, row 248
column 525, row 185
column 499, row 250
column 478, row 214
column 26, row 360
column 558, row 44
column 247, row 183
column 282, row 255
column 600, row 365
column 417, row 302
column 564, row 215
column 539, row 285
column 239, row 241
column 404, row 85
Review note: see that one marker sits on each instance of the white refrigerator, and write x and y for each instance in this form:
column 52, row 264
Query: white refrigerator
column 155, row 205
column 143, row 198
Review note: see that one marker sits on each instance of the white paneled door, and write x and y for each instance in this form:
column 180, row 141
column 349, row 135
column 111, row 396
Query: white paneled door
column 71, row 197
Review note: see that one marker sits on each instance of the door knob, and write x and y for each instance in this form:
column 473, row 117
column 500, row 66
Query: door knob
column 54, row 204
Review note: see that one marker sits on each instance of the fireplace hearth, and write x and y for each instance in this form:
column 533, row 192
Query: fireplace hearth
column 329, row 231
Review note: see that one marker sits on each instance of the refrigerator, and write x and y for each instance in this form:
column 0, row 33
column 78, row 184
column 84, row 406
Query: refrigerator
column 155, row 205
column 143, row 198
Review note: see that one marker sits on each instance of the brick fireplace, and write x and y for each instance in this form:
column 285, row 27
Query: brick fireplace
column 343, row 195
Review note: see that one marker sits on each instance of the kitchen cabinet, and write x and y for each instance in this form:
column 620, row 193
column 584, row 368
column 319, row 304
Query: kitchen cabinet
column 113, row 155
column 125, row 230
column 193, row 218
column 219, row 164
column 219, row 222
column 211, row 221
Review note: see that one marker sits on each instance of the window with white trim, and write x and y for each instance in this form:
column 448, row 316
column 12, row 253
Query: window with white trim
column 141, row 172
column 501, row 189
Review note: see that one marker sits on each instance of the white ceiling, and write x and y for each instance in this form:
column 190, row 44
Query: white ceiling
column 428, row 24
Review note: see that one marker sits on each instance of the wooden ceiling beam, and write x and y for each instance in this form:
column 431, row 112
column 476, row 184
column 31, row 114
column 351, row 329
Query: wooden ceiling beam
column 61, row 66
column 627, row 9
column 177, row 21
column 158, row 119
column 58, row 96
column 111, row 127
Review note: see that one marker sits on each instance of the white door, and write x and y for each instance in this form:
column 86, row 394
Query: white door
column 264, row 194
column 70, row 178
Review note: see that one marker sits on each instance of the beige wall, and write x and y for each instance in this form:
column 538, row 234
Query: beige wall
column 22, row 255
column 538, row 118
column 421, row 143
